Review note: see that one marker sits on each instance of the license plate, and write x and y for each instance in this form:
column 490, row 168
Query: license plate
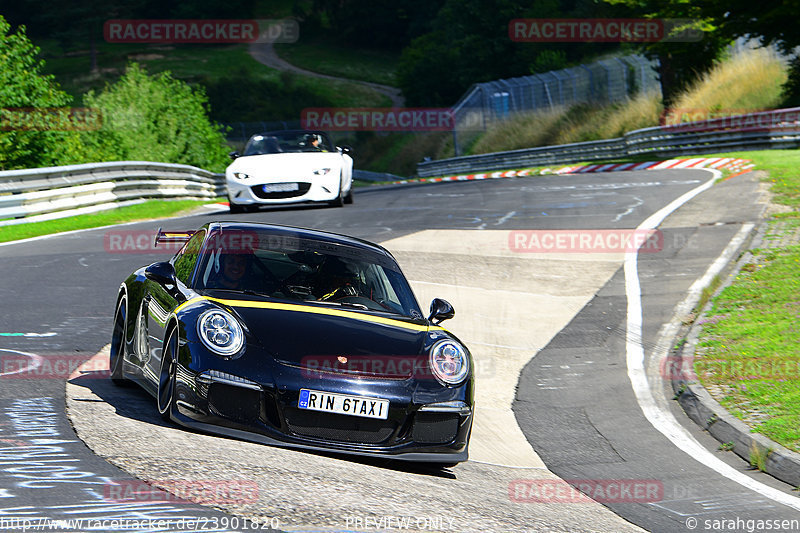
column 281, row 187
column 343, row 404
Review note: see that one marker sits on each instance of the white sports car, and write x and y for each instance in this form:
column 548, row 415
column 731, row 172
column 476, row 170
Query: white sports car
column 290, row 166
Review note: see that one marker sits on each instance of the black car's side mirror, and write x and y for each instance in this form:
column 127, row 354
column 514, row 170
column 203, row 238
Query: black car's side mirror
column 346, row 150
column 441, row 310
column 162, row 273
column 233, row 155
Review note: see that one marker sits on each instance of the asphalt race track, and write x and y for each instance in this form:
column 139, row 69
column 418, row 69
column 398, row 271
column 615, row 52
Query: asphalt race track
column 552, row 332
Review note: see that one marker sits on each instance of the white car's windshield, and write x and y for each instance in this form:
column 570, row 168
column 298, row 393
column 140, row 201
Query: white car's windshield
column 277, row 142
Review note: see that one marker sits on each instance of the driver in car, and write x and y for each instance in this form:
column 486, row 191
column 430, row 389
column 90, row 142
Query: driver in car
column 234, row 267
column 314, row 142
column 338, row 279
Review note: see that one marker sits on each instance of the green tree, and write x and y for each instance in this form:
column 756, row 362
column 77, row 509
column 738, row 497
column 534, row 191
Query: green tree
column 385, row 24
column 23, row 90
column 680, row 62
column 772, row 22
column 154, row 118
column 469, row 43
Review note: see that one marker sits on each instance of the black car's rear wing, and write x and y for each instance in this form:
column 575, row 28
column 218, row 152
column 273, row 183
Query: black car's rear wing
column 172, row 236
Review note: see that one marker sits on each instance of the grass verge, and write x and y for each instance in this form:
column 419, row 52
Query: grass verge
column 784, row 174
column 748, row 354
column 145, row 211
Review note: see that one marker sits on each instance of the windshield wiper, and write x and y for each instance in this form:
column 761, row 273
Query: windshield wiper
column 343, row 304
column 249, row 292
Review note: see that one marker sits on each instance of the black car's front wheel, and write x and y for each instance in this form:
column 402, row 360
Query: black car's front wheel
column 118, row 336
column 166, row 378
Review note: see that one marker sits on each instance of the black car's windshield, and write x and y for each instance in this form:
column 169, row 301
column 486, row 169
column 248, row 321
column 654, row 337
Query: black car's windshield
column 287, row 267
column 277, row 142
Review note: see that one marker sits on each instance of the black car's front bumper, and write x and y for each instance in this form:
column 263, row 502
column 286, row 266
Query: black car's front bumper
column 427, row 422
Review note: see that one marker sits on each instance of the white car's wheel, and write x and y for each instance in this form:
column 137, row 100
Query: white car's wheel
column 340, row 200
column 234, row 208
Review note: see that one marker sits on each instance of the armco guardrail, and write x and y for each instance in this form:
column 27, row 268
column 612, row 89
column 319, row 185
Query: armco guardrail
column 64, row 189
column 753, row 131
column 366, row 175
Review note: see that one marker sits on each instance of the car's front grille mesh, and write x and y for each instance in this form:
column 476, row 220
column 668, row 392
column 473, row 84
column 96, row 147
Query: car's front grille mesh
column 238, row 404
column 302, row 188
column 435, row 428
column 336, row 427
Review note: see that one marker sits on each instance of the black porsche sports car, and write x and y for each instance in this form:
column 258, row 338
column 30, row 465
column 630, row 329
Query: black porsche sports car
column 298, row 338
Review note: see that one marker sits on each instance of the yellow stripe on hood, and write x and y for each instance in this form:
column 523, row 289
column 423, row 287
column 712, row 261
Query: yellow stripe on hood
column 313, row 310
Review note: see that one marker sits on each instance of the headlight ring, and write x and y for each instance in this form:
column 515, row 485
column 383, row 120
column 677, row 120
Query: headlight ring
column 449, row 362
column 220, row 332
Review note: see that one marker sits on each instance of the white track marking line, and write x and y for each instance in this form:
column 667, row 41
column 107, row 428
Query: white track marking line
column 661, row 419
column 48, row 334
column 36, row 361
column 630, row 209
column 505, row 218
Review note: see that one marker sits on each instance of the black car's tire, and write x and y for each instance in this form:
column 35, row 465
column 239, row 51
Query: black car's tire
column 234, row 208
column 339, row 201
column 118, row 342
column 348, row 199
column 166, row 377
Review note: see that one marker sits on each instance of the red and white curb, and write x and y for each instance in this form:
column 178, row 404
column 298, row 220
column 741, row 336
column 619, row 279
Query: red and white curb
column 728, row 163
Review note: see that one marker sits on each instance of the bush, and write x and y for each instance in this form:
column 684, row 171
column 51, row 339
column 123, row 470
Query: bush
column 22, row 85
column 154, row 118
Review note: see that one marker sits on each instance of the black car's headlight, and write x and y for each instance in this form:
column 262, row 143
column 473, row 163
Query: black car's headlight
column 220, row 332
column 240, row 175
column 449, row 362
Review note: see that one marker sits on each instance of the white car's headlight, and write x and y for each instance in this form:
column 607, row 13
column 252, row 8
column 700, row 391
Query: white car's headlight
column 321, row 171
column 449, row 362
column 240, row 175
column 220, row 332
